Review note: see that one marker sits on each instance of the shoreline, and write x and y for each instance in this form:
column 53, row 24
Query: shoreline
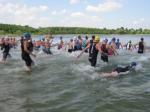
column 15, row 35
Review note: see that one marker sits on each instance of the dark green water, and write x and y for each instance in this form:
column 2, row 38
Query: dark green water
column 59, row 84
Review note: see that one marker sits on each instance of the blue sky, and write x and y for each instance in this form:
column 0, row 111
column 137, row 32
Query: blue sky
column 80, row 13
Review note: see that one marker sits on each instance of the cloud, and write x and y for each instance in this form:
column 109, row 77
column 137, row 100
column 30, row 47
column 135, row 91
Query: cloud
column 139, row 21
column 80, row 19
column 107, row 6
column 23, row 14
column 74, row 1
column 59, row 13
column 77, row 14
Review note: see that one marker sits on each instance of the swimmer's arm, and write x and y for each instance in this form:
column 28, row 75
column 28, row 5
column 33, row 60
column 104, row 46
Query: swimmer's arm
column 107, row 75
column 121, row 45
column 83, row 51
column 135, row 45
column 115, row 51
column 124, row 73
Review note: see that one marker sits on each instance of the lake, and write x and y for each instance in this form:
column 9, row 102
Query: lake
column 60, row 83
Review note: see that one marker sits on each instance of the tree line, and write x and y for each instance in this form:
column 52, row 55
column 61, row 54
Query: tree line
column 6, row 29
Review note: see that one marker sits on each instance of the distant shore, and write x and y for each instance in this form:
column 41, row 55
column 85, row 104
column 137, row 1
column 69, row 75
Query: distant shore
column 18, row 30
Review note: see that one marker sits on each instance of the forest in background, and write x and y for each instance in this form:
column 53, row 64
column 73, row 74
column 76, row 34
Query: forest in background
column 9, row 29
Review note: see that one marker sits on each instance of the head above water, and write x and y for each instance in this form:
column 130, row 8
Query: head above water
column 113, row 39
column 142, row 39
column 86, row 37
column 93, row 37
column 106, row 40
column 133, row 64
column 97, row 39
column 61, row 38
column 27, row 36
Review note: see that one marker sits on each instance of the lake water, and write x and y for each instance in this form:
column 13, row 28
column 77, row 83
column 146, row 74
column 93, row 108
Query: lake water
column 60, row 83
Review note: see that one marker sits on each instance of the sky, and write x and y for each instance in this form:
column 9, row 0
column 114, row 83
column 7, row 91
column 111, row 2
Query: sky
column 76, row 13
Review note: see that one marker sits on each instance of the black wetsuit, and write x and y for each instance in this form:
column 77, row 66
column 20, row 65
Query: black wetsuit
column 6, row 48
column 104, row 55
column 26, row 56
column 93, row 52
column 141, row 48
column 122, row 69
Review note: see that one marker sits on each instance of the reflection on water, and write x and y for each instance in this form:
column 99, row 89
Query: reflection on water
column 60, row 83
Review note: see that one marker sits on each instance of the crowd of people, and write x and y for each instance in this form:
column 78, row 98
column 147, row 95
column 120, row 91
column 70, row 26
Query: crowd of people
column 92, row 45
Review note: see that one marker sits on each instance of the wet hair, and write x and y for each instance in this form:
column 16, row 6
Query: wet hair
column 86, row 37
column 79, row 37
column 142, row 39
column 61, row 37
column 114, row 39
column 93, row 37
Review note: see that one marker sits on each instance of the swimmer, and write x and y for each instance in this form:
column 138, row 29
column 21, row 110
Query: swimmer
column 94, row 49
column 70, row 46
column 27, row 49
column 6, row 48
column 120, row 70
column 141, row 46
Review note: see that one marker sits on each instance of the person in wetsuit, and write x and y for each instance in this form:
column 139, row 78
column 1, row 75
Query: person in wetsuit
column 6, row 48
column 27, row 48
column 120, row 70
column 94, row 48
column 104, row 49
column 141, row 45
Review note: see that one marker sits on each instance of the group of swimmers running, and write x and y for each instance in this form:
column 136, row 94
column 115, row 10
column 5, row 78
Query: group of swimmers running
column 92, row 46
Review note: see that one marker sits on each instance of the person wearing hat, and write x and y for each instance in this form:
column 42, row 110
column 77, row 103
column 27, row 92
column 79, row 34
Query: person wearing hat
column 27, row 48
column 94, row 48
column 120, row 70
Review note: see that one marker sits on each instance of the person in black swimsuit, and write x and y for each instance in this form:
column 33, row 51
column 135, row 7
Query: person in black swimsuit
column 141, row 48
column 6, row 48
column 27, row 48
column 120, row 70
column 94, row 48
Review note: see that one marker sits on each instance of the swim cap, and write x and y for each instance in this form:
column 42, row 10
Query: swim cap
column 61, row 37
column 133, row 64
column 142, row 39
column 118, row 40
column 130, row 41
column 113, row 39
column 27, row 36
column 106, row 40
column 97, row 39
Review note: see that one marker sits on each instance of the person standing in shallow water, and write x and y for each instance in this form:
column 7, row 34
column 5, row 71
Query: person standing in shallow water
column 6, row 48
column 94, row 48
column 27, row 48
column 141, row 46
